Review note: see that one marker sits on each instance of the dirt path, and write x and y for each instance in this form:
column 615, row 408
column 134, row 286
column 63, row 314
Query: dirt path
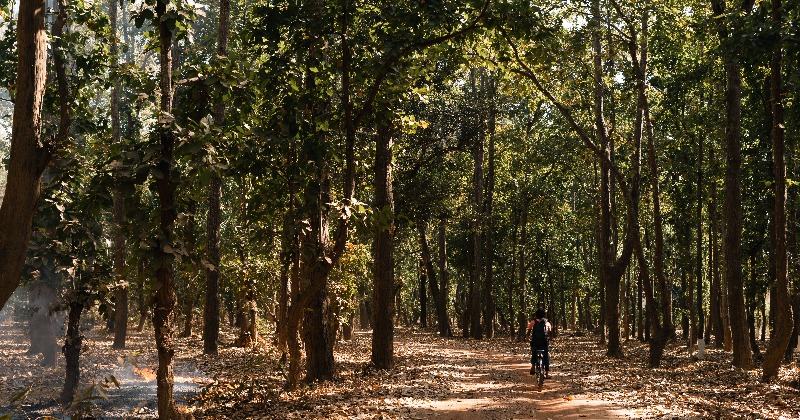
column 497, row 386
column 449, row 378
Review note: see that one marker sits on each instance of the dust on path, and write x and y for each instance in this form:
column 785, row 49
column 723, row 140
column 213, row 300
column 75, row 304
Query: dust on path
column 497, row 385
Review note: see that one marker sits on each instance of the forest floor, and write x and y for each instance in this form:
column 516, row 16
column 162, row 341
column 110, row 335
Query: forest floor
column 433, row 378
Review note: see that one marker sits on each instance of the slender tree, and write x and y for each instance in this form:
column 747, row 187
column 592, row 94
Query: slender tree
column 73, row 340
column 782, row 310
column 476, row 260
column 488, row 207
column 121, row 287
column 165, row 187
column 438, row 283
column 213, row 220
column 732, row 207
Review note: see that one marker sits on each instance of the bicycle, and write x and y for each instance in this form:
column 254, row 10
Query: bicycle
column 539, row 368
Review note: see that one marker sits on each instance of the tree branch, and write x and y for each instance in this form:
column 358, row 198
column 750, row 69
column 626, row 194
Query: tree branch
column 391, row 61
column 527, row 72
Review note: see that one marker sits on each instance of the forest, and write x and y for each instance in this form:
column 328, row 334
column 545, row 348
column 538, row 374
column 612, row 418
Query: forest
column 353, row 209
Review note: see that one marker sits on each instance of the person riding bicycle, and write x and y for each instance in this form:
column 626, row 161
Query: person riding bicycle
column 538, row 331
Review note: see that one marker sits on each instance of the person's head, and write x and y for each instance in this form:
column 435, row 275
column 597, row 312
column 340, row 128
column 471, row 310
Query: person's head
column 539, row 313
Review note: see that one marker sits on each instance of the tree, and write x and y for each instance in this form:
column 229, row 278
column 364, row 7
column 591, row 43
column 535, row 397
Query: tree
column 211, row 311
column 29, row 154
column 121, row 289
column 489, row 310
column 782, row 311
column 383, row 288
column 164, row 251
column 732, row 207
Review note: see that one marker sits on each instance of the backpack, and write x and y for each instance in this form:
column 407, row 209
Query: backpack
column 539, row 334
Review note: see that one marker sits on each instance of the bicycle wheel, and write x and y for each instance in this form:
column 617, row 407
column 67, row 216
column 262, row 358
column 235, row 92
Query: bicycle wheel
column 539, row 372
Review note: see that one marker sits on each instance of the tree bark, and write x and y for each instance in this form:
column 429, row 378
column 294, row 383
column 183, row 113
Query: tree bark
column 289, row 249
column 663, row 328
column 426, row 266
column 475, row 326
column 142, row 301
column 725, row 322
column 191, row 299
column 522, row 315
column 782, row 310
column 732, row 207
column 612, row 268
column 699, row 315
column 383, row 290
column 213, row 219
column 28, row 157
column 121, row 286
column 732, row 218
column 441, row 304
column 750, row 305
column 165, row 187
column 488, row 279
column 316, row 254
column 317, row 333
column 715, row 295
column 423, row 296
column 72, row 351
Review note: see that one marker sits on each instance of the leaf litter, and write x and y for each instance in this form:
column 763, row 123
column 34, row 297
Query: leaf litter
column 428, row 370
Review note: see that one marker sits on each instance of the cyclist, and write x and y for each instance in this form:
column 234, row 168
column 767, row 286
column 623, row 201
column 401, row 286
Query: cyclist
column 538, row 331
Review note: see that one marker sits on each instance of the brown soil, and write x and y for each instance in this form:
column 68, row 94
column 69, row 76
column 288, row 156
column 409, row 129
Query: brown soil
column 498, row 386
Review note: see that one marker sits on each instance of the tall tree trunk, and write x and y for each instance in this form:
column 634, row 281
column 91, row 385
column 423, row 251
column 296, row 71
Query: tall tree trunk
column 699, row 315
column 727, row 338
column 715, row 295
column 441, row 304
column 475, row 327
column 165, row 186
column 73, row 339
column 732, row 218
column 522, row 315
column 488, row 280
column 663, row 329
column 782, row 310
column 121, row 287
column 612, row 268
column 732, row 208
column 639, row 310
column 605, row 245
column 213, row 219
column 28, row 157
column 383, row 291
column 212, row 304
column 316, row 254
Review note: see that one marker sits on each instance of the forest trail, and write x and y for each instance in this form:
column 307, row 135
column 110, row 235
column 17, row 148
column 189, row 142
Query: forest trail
column 433, row 377
column 445, row 378
column 497, row 385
